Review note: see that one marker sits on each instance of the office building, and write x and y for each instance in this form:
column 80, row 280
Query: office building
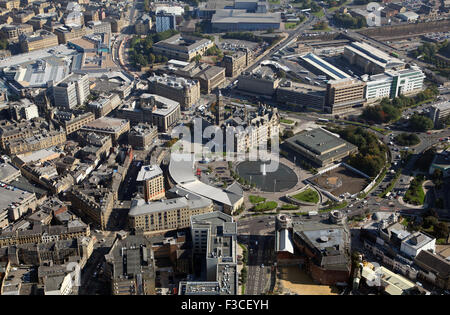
column 184, row 91
column 141, row 136
column 237, row 62
column 112, row 127
column 165, row 21
column 392, row 83
column 343, row 95
column 320, row 146
column 182, row 47
column 72, row 91
column 130, row 266
column 301, row 95
column 439, row 112
column 214, row 242
column 150, row 182
column 369, row 59
column 210, row 77
column 263, row 80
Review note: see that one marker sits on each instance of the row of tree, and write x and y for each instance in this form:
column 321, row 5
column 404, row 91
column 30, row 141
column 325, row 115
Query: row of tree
column 141, row 49
column 347, row 21
column 371, row 156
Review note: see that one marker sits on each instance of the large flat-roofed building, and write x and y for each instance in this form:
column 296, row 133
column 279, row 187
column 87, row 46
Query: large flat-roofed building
column 394, row 83
column 35, row 41
column 301, row 95
column 130, row 266
column 142, row 135
column 214, row 242
column 8, row 172
column 112, row 127
column 165, row 112
column 237, row 62
column 72, row 91
column 370, row 59
column 14, row 203
column 439, row 112
column 182, row 47
column 320, row 146
column 227, row 20
column 262, row 80
column 150, row 182
column 14, row 31
column 344, row 95
column 322, row 244
column 169, row 214
column 66, row 33
column 182, row 90
column 210, row 77
column 324, row 67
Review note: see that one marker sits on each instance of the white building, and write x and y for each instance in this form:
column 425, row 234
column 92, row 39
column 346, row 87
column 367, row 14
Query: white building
column 72, row 91
column 416, row 242
column 393, row 83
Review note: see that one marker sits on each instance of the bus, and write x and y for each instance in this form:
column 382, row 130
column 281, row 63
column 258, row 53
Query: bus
column 394, row 54
column 322, row 120
column 307, row 79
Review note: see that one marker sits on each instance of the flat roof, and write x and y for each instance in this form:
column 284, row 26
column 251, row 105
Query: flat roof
column 324, row 66
column 318, row 141
column 236, row 16
column 12, row 195
column 105, row 124
column 140, row 207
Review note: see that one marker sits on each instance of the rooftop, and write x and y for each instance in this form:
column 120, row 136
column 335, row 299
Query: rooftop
column 140, row 207
column 320, row 142
column 148, row 172
column 324, row 66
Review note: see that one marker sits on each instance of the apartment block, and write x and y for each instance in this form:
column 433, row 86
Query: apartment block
column 170, row 214
column 150, row 182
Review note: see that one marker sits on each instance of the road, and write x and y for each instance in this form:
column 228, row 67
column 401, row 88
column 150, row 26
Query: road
column 257, row 234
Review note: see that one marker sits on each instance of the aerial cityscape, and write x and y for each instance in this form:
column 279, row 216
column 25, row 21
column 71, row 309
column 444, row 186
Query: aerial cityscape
column 224, row 148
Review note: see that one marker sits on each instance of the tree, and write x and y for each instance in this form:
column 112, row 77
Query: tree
column 441, row 230
column 3, row 44
column 420, row 123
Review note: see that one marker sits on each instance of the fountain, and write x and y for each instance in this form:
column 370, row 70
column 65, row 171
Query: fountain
column 263, row 169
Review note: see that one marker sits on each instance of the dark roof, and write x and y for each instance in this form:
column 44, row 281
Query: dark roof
column 428, row 260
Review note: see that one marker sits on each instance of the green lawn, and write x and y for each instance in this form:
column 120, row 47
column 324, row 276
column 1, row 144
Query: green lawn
column 319, row 14
column 290, row 25
column 308, row 195
column 256, row 199
column 266, row 206
column 288, row 206
column 415, row 194
column 335, row 206
column 337, row 8
column 286, row 121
